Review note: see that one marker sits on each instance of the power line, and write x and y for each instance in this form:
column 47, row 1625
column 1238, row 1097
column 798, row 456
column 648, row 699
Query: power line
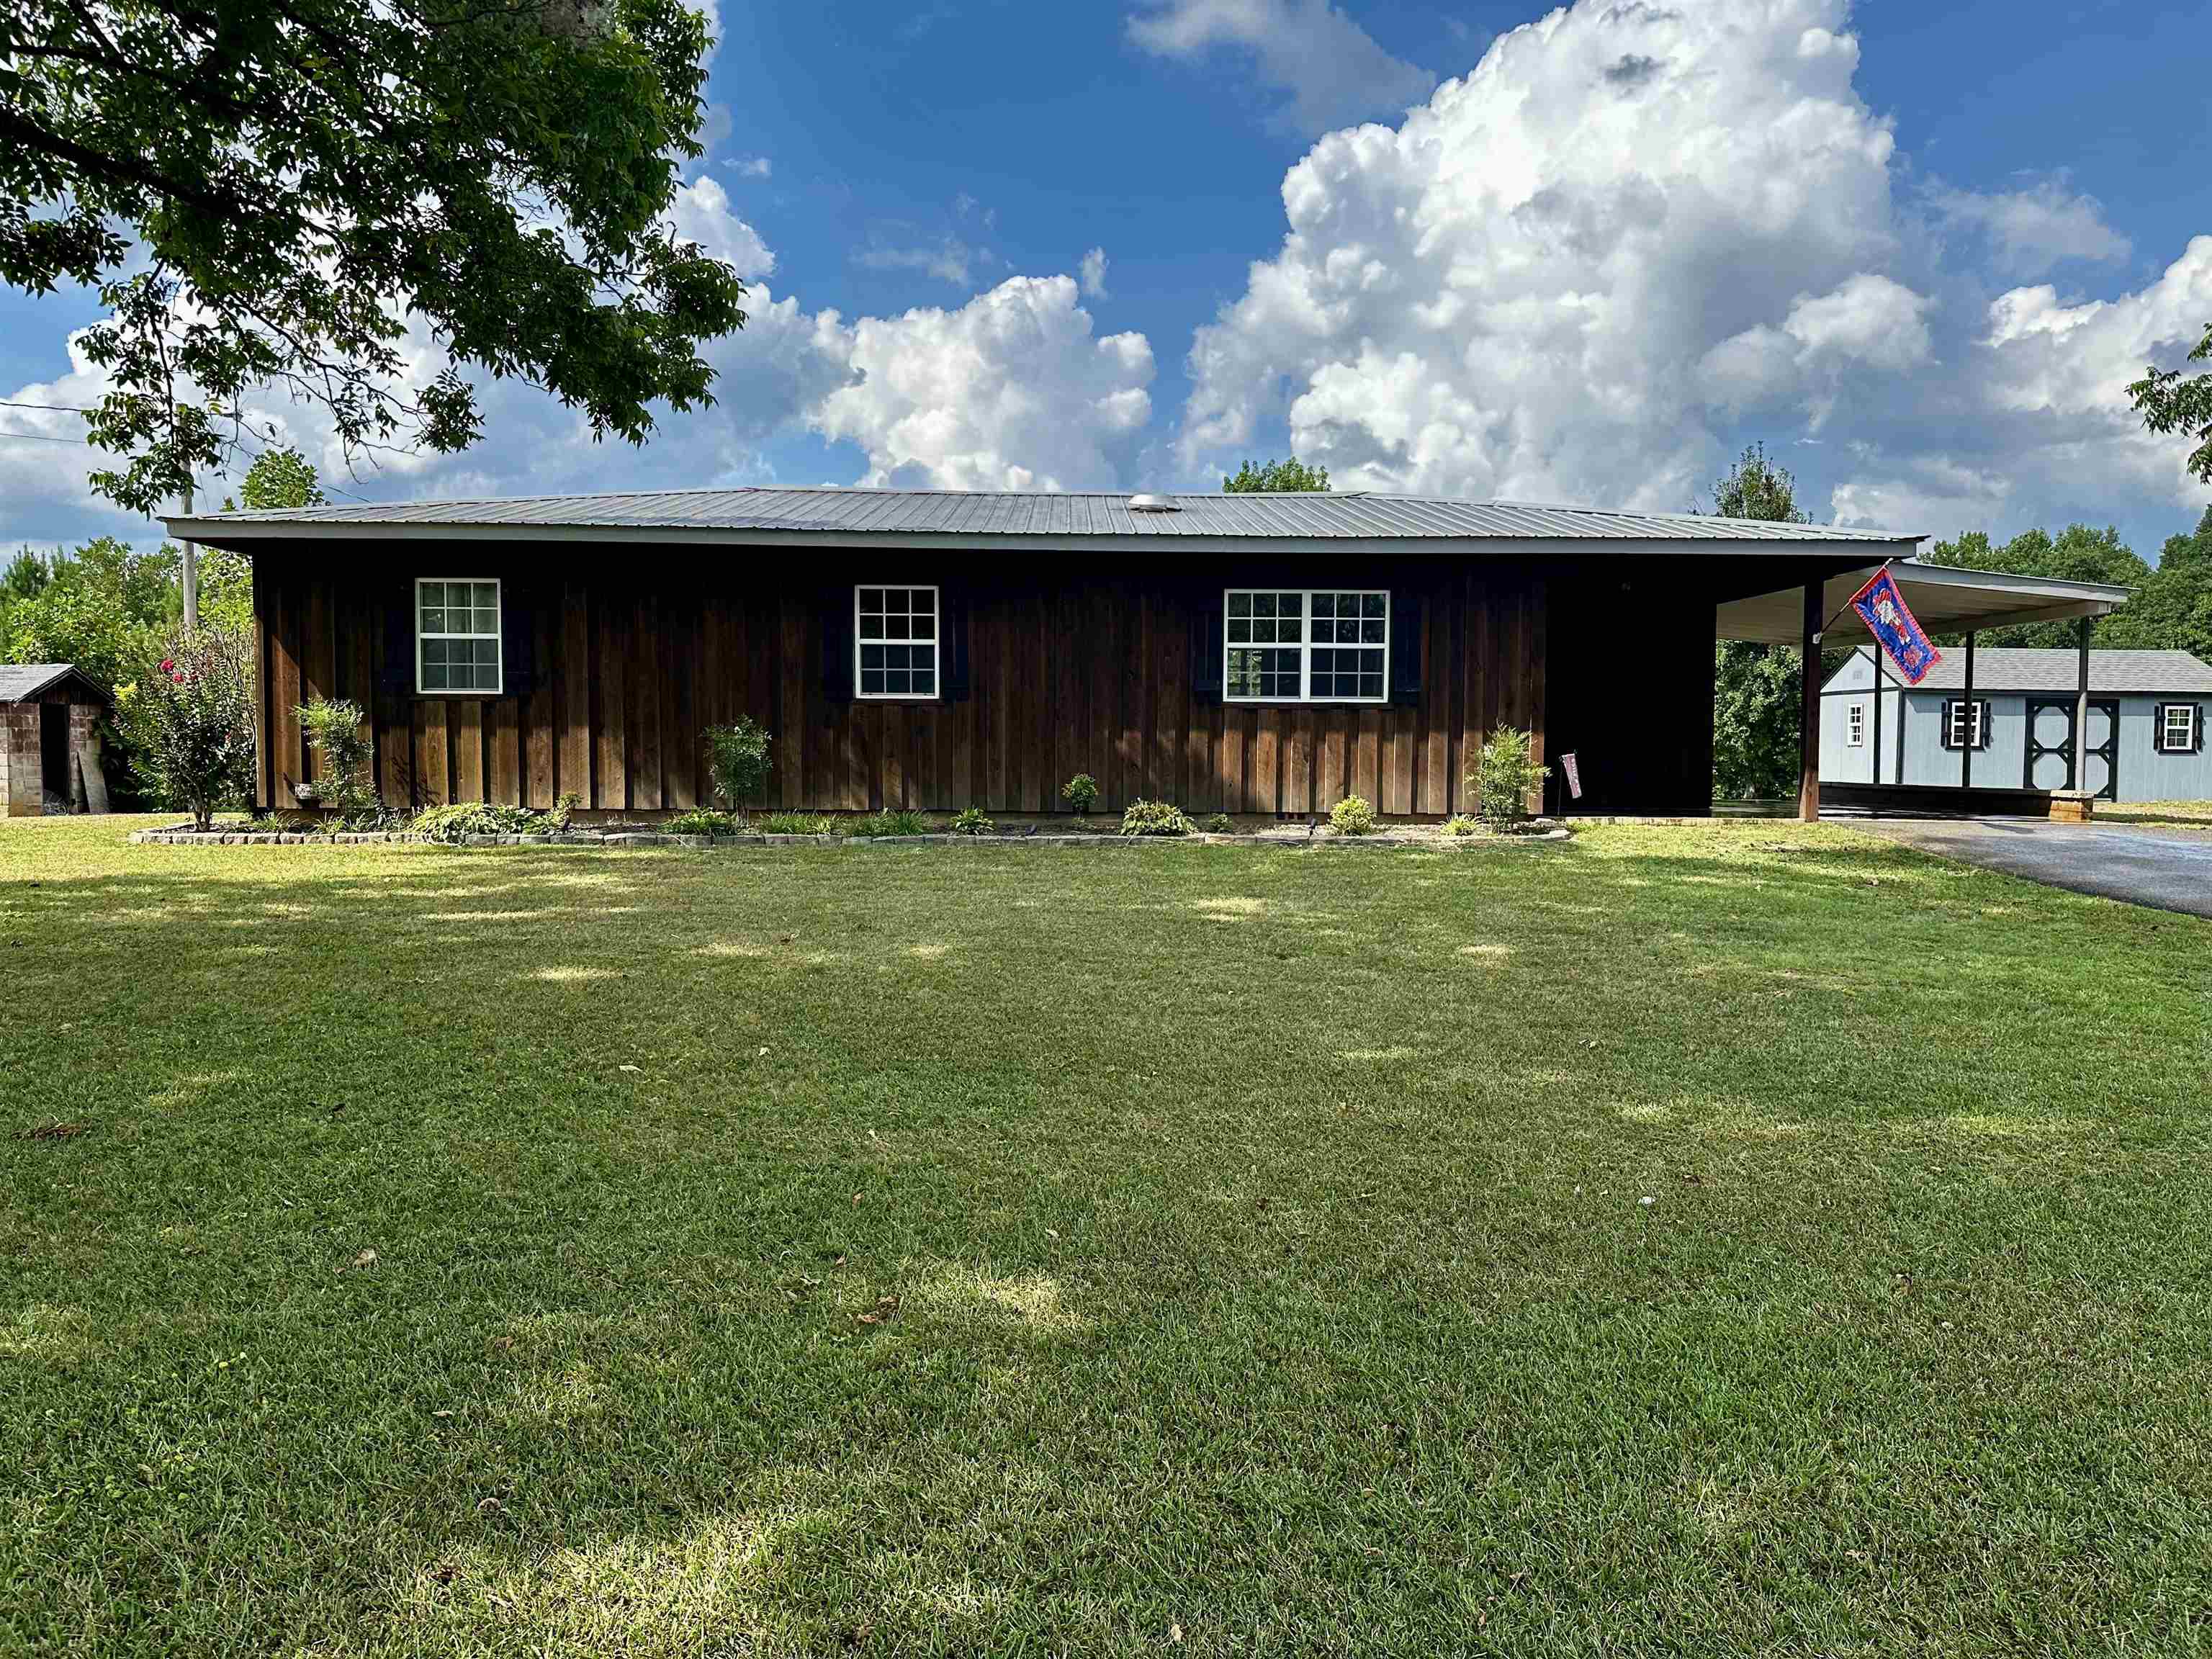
column 42, row 438
column 65, row 409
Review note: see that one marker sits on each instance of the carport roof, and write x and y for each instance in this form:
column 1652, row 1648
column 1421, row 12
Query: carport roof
column 1946, row 599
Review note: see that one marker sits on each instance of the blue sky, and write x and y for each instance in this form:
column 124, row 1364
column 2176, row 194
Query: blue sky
column 1982, row 219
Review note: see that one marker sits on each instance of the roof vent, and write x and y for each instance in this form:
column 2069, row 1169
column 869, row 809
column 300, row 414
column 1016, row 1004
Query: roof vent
column 1152, row 504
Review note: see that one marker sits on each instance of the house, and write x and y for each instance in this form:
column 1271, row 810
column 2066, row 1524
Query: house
column 929, row 649
column 2148, row 711
column 50, row 740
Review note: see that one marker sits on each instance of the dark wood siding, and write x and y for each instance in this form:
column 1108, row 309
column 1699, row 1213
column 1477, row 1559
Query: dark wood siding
column 636, row 653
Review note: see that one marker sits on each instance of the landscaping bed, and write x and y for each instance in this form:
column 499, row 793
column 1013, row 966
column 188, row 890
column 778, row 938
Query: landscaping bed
column 1425, row 837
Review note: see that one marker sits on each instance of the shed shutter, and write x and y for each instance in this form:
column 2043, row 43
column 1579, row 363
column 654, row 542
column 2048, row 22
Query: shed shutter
column 2197, row 748
column 1206, row 672
column 517, row 640
column 1405, row 647
column 1982, row 735
column 397, row 676
column 952, row 642
column 1949, row 733
column 837, row 644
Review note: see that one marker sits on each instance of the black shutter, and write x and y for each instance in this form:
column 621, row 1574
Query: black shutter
column 397, row 678
column 517, row 638
column 1950, row 704
column 952, row 642
column 1984, row 734
column 837, row 644
column 2198, row 748
column 1405, row 647
column 1205, row 659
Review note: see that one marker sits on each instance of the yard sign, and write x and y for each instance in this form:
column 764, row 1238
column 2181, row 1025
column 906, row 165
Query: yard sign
column 1895, row 629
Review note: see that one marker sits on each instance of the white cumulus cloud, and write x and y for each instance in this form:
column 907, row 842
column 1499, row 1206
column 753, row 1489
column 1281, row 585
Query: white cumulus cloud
column 1576, row 272
column 702, row 215
column 1092, row 274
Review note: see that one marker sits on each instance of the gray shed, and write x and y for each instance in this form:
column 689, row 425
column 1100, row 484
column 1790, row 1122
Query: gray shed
column 50, row 740
column 2146, row 738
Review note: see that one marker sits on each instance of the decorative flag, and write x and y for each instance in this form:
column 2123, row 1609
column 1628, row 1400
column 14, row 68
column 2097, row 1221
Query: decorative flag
column 1895, row 629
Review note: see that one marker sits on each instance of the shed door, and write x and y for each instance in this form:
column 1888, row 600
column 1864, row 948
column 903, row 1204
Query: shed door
column 2051, row 746
column 54, row 750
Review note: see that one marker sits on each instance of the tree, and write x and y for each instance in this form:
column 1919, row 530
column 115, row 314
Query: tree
column 278, row 479
column 1757, row 712
column 266, row 192
column 2168, row 401
column 1292, row 474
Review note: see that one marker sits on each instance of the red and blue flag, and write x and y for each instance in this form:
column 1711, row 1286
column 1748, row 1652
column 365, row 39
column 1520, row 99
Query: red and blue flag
column 1895, row 629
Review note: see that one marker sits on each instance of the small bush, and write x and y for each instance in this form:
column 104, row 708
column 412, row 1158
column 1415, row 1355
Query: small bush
column 737, row 761
column 897, row 822
column 705, row 821
column 1461, row 824
column 971, row 822
column 1080, row 792
column 801, row 823
column 452, row 823
column 194, row 715
column 1506, row 774
column 1353, row 816
column 1155, row 818
column 334, row 730
column 1220, row 824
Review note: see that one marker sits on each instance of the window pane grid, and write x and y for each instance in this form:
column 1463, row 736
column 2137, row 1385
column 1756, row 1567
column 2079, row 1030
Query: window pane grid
column 896, row 641
column 2179, row 731
column 1312, row 644
column 457, row 633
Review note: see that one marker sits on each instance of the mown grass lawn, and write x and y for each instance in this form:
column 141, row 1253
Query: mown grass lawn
column 1742, row 1239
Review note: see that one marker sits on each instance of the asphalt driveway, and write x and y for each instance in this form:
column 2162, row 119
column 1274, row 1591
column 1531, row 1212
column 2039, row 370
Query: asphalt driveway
column 2166, row 870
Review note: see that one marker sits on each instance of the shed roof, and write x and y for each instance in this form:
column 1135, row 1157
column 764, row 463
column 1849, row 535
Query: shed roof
column 2174, row 673
column 1033, row 518
column 22, row 681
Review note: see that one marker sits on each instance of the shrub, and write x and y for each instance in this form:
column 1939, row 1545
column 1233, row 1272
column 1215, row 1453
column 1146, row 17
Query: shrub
column 1219, row 825
column 1506, row 774
column 1154, row 817
column 705, row 821
column 194, row 713
column 1353, row 816
column 971, row 822
column 465, row 818
column 334, row 730
column 897, row 822
column 1461, row 824
column 1080, row 792
column 799, row 824
column 737, row 761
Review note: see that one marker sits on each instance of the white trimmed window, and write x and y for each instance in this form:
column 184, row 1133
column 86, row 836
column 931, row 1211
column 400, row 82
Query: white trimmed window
column 1965, row 724
column 1306, row 645
column 894, row 639
column 1857, row 738
column 457, row 635
column 2176, row 727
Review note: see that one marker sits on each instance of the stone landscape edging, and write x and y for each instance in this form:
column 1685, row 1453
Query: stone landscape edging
column 184, row 835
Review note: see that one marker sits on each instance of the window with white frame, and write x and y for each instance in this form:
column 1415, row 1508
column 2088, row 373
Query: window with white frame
column 2176, row 727
column 1306, row 645
column 894, row 639
column 1858, row 725
column 1963, row 724
column 457, row 635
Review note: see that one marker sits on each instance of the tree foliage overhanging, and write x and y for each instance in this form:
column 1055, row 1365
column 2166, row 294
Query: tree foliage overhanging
column 2170, row 400
column 265, row 191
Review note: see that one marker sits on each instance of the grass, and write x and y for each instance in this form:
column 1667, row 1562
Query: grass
column 2161, row 814
column 1714, row 1240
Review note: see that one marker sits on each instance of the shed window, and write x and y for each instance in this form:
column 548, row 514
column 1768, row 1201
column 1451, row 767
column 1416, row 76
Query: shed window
column 457, row 635
column 2176, row 727
column 1965, row 725
column 897, row 642
column 1306, row 645
column 1857, row 738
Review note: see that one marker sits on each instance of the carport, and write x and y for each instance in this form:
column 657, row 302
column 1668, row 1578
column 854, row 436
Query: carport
column 1947, row 600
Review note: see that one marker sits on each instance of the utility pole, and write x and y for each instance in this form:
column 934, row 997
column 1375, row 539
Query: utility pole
column 192, row 571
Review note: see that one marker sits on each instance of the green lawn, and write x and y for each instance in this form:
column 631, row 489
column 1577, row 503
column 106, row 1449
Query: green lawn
column 1729, row 1240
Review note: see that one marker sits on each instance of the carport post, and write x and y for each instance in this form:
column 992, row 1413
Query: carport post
column 1972, row 719
column 1809, row 712
column 2082, row 714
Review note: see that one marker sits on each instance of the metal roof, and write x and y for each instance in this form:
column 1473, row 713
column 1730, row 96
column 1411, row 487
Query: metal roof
column 1945, row 598
column 927, row 517
column 2174, row 673
column 22, row 681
